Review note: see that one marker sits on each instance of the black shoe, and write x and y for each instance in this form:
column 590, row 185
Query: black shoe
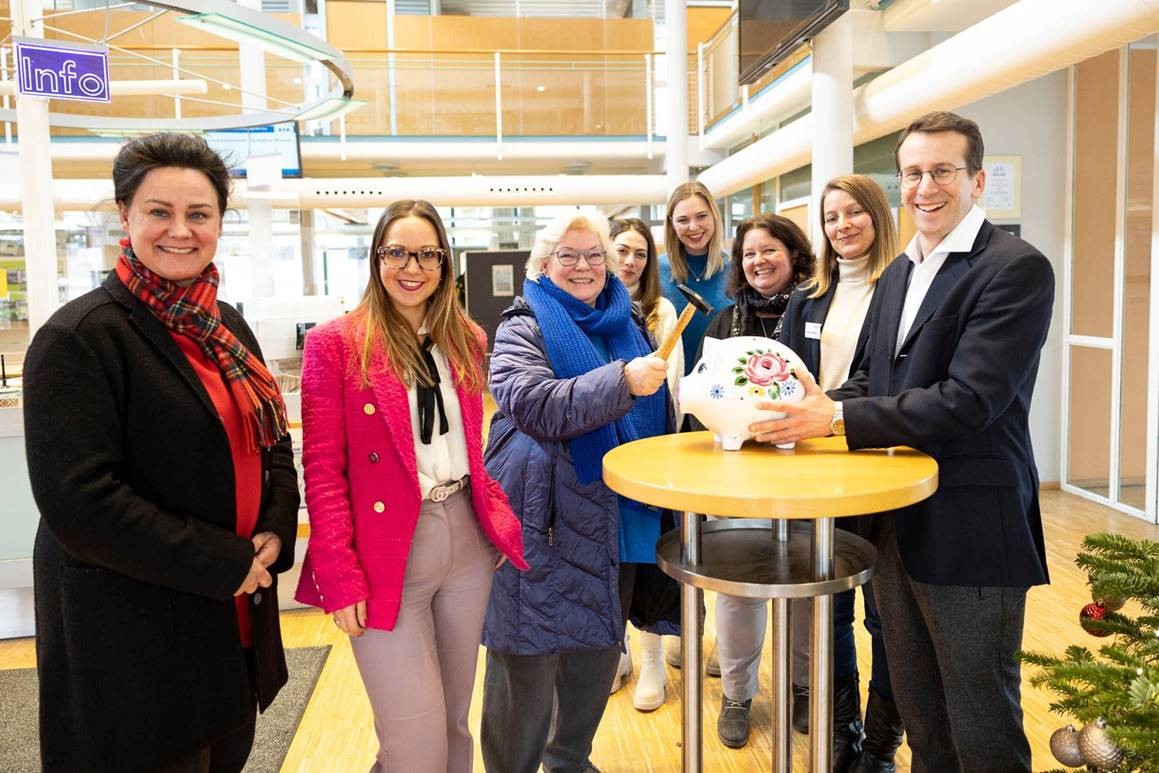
column 733, row 723
column 883, row 733
column 846, row 723
column 801, row 709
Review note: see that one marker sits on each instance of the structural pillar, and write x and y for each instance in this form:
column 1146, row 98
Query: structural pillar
column 35, row 164
column 832, row 112
column 252, row 59
column 676, row 55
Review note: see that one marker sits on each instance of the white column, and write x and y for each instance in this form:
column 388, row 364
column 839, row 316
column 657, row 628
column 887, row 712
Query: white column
column 36, row 185
column 676, row 55
column 252, row 59
column 832, row 112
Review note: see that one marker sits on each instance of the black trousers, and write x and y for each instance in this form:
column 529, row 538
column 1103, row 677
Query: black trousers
column 545, row 709
column 226, row 755
column 955, row 679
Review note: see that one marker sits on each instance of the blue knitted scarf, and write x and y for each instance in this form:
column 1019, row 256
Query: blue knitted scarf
column 566, row 322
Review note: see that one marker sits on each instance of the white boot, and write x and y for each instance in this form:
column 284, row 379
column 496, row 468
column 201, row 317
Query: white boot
column 652, row 682
column 672, row 651
column 624, row 669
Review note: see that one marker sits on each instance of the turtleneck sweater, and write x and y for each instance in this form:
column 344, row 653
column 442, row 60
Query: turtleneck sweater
column 843, row 322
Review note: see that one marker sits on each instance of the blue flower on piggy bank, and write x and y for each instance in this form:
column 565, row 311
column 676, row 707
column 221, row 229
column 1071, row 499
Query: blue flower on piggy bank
column 716, row 392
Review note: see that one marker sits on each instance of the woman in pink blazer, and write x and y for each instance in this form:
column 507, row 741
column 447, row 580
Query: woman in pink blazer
column 406, row 527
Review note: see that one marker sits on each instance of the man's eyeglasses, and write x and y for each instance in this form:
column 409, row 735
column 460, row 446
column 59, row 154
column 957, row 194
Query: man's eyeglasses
column 570, row 258
column 398, row 257
column 942, row 174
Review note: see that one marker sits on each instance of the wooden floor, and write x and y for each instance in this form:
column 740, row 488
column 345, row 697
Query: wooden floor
column 337, row 731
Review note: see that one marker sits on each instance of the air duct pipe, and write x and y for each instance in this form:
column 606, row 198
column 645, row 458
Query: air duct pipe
column 990, row 57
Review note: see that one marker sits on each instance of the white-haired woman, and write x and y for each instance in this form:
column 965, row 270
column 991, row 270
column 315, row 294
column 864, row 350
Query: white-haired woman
column 573, row 375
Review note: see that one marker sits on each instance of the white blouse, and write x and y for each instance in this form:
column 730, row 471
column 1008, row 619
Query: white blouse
column 445, row 458
column 665, row 324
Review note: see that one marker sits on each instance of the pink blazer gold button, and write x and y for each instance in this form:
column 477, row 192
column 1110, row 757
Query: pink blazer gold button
column 379, row 507
column 368, row 409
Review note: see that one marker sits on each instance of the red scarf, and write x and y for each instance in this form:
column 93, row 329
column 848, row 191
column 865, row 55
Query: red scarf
column 192, row 311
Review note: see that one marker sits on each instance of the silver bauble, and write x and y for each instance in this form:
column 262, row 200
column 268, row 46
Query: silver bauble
column 1097, row 748
column 1064, row 745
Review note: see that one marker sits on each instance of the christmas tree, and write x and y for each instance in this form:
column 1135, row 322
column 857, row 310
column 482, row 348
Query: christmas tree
column 1113, row 694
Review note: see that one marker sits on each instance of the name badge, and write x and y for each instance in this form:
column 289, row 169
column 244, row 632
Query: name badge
column 813, row 330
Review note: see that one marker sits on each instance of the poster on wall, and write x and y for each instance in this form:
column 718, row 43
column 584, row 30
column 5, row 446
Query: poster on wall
column 503, row 281
column 1002, row 198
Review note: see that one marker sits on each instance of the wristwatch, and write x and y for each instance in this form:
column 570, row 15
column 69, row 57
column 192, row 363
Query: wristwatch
column 837, row 423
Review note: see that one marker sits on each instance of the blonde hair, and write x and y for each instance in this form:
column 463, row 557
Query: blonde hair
column 548, row 237
column 448, row 325
column 884, row 249
column 677, row 259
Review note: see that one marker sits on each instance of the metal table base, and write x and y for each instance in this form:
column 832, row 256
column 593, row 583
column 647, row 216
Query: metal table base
column 778, row 560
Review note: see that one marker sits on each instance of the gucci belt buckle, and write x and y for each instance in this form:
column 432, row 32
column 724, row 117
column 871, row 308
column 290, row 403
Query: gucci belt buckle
column 440, row 493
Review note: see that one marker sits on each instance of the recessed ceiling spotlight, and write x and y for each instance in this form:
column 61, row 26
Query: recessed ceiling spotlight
column 541, row 88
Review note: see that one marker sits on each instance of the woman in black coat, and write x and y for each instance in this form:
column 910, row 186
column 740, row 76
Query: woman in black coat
column 161, row 466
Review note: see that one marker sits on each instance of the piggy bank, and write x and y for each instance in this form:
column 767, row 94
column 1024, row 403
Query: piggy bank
column 733, row 375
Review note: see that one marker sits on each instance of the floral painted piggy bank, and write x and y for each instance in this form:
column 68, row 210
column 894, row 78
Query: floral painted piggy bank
column 735, row 374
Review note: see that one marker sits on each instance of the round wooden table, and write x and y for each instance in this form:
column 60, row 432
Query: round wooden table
column 817, row 481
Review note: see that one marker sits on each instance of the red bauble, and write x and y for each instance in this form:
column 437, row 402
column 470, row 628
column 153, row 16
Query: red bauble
column 1093, row 611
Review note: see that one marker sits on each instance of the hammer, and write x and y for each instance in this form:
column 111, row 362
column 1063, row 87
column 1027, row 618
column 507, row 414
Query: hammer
column 694, row 302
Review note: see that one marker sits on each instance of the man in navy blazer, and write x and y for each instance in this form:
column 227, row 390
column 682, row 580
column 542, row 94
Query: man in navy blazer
column 955, row 330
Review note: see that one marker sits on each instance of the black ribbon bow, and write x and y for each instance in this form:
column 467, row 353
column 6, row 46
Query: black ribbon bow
column 429, row 397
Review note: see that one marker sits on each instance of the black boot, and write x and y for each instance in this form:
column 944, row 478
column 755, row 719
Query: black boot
column 846, row 723
column 883, row 732
column 801, row 709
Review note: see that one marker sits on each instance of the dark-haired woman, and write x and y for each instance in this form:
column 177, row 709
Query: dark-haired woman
column 160, row 461
column 823, row 324
column 407, row 527
column 770, row 256
column 640, row 272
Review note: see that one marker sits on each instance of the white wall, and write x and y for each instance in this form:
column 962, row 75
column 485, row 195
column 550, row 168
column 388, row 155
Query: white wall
column 1030, row 121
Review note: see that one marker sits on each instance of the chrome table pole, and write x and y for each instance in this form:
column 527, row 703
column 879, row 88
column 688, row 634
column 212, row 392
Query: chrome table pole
column 782, row 680
column 690, row 648
column 821, row 654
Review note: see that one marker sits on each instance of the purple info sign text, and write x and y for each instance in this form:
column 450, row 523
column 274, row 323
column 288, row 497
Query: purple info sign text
column 62, row 71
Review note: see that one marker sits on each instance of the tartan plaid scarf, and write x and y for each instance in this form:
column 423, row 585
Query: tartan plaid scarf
column 192, row 311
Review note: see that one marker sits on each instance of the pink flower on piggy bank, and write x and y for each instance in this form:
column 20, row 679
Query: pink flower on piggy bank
column 764, row 369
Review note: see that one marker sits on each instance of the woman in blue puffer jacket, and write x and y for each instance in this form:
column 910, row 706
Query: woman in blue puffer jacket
column 573, row 374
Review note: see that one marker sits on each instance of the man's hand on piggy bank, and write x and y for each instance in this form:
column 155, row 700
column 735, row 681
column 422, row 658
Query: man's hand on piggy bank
column 805, row 419
column 645, row 375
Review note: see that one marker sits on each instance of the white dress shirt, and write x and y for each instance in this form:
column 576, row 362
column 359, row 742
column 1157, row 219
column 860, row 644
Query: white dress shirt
column 445, row 458
column 926, row 267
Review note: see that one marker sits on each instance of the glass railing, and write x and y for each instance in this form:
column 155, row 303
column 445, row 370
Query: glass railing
column 412, row 92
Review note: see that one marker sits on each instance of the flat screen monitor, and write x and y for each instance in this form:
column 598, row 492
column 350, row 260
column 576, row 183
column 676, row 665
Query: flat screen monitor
column 237, row 145
column 770, row 30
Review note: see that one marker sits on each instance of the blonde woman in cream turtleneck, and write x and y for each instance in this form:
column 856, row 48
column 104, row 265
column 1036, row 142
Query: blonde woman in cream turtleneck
column 823, row 324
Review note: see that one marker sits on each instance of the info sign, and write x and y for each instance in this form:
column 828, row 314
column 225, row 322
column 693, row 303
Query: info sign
column 49, row 68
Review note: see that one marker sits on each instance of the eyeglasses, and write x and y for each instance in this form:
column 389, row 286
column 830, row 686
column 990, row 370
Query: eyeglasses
column 570, row 258
column 768, row 253
column 398, row 257
column 942, row 174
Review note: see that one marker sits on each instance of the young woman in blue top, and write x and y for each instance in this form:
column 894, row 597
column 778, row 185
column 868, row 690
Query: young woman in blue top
column 694, row 238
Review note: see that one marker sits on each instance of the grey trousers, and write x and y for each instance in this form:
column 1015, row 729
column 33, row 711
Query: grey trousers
column 419, row 677
column 955, row 679
column 545, row 709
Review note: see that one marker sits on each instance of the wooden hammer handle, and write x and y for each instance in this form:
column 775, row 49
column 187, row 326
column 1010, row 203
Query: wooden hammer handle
column 673, row 338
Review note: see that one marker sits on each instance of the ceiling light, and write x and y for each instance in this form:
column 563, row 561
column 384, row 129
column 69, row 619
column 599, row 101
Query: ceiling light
column 235, row 29
column 541, row 88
